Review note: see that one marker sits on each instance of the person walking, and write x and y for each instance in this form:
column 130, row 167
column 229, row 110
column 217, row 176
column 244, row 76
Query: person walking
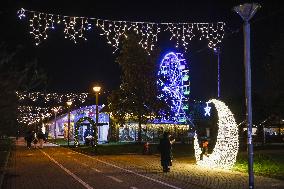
column 29, row 139
column 165, row 148
column 41, row 138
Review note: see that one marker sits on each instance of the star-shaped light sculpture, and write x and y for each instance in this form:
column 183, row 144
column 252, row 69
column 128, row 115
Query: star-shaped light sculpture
column 207, row 110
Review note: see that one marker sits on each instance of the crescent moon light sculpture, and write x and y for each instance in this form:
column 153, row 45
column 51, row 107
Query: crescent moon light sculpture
column 225, row 151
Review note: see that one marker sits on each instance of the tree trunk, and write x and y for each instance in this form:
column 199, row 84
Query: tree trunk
column 139, row 129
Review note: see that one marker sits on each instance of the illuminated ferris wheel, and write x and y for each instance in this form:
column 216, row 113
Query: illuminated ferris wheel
column 174, row 81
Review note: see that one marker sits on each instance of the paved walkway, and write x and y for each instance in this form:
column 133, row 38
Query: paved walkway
column 188, row 173
column 57, row 167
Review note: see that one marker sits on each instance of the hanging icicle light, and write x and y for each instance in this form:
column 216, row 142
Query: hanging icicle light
column 76, row 27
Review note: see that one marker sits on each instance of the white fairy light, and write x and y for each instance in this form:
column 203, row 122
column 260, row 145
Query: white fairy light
column 34, row 96
column 226, row 148
column 21, row 13
column 34, row 114
column 75, row 28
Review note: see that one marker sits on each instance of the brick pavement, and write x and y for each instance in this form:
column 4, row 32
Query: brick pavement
column 47, row 168
column 188, row 173
column 23, row 172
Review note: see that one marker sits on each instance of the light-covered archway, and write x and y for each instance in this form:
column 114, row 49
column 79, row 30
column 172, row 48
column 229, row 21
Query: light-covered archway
column 78, row 123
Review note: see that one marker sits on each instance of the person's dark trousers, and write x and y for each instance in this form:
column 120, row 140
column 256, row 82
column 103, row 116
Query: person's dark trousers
column 29, row 144
column 166, row 167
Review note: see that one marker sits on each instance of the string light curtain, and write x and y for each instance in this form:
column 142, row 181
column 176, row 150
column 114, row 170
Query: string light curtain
column 34, row 114
column 59, row 98
column 75, row 28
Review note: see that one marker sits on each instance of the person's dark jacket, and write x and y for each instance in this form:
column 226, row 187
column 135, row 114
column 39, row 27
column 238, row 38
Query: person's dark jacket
column 29, row 137
column 165, row 148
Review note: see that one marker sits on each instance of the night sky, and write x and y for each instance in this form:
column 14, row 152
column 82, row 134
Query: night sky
column 76, row 67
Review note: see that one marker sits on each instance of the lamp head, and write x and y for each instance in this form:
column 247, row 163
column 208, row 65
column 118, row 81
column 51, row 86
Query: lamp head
column 69, row 103
column 96, row 89
column 247, row 10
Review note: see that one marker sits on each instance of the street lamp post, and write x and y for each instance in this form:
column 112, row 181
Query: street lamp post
column 55, row 110
column 217, row 51
column 97, row 89
column 69, row 103
column 247, row 11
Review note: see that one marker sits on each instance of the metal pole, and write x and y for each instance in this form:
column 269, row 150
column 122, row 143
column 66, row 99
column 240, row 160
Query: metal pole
column 55, row 125
column 218, row 53
column 68, row 134
column 248, row 101
column 247, row 11
column 264, row 135
column 135, row 133
column 97, row 116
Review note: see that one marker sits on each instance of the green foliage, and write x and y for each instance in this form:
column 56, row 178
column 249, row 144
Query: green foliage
column 59, row 141
column 113, row 131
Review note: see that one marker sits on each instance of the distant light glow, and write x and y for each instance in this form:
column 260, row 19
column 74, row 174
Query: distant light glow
column 174, row 81
column 225, row 151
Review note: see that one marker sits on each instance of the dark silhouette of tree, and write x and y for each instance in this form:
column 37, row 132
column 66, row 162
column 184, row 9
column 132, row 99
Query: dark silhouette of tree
column 137, row 95
column 274, row 67
column 16, row 73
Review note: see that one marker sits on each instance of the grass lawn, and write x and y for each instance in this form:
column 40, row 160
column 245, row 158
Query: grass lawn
column 179, row 150
column 5, row 144
column 59, row 141
column 113, row 149
column 267, row 162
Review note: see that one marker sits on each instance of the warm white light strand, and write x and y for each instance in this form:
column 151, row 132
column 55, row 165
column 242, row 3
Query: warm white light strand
column 32, row 114
column 46, row 97
column 76, row 27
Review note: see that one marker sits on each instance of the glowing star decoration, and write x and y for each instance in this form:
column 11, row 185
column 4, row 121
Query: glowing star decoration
column 225, row 151
column 114, row 30
column 173, row 79
column 207, row 110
